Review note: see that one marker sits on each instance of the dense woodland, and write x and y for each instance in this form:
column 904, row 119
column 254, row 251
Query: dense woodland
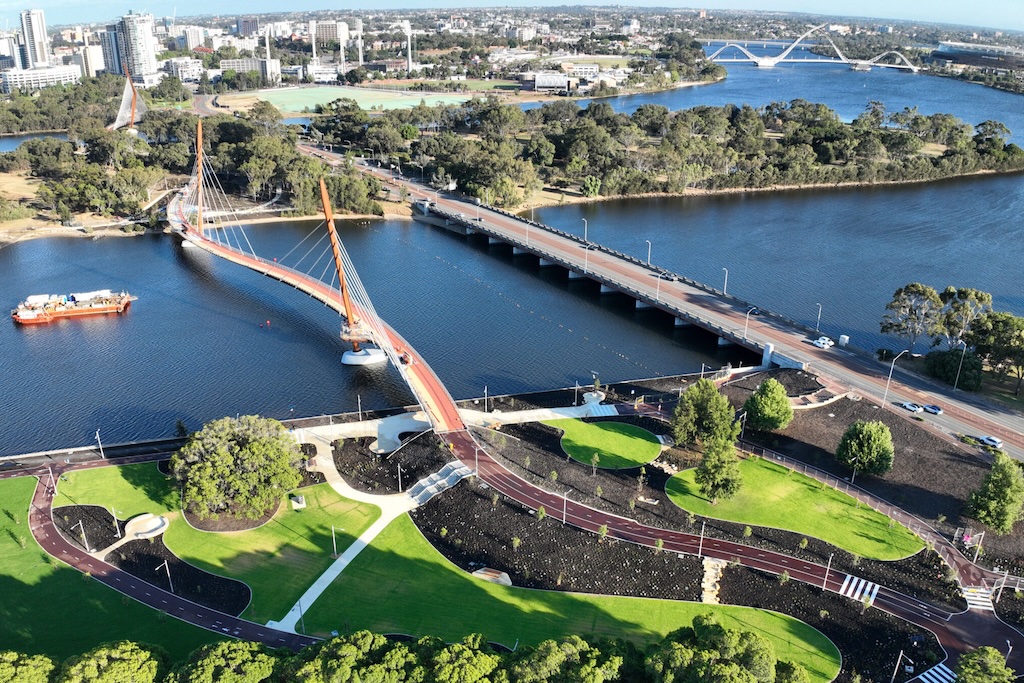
column 500, row 152
column 704, row 652
column 110, row 172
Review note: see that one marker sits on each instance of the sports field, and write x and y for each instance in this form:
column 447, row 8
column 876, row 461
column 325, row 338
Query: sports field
column 298, row 100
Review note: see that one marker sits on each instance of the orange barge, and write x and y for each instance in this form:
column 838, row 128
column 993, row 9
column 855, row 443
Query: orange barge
column 45, row 308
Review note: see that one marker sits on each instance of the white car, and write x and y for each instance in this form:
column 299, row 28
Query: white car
column 991, row 441
column 912, row 407
column 823, row 343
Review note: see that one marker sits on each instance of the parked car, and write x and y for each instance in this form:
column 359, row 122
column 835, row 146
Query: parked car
column 933, row 409
column 991, row 441
column 823, row 343
column 912, row 407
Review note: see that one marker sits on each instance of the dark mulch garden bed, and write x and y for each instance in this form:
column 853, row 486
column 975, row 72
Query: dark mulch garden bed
column 922, row 576
column 142, row 557
column 1010, row 607
column 932, row 477
column 369, row 472
column 869, row 640
column 474, row 527
column 796, row 382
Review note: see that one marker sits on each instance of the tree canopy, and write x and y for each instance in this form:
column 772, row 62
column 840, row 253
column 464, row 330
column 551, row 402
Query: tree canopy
column 704, row 416
column 866, row 446
column 16, row 667
column 768, row 407
column 239, row 467
column 999, row 502
column 718, row 474
column 115, row 663
column 914, row 312
column 984, row 665
column 230, row 661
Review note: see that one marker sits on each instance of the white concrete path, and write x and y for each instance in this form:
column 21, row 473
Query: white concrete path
column 394, row 505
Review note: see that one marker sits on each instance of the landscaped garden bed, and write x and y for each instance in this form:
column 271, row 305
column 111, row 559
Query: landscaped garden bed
column 869, row 639
column 375, row 473
column 144, row 558
column 533, row 451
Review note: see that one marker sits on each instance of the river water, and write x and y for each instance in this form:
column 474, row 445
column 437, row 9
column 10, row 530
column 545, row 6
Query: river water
column 193, row 347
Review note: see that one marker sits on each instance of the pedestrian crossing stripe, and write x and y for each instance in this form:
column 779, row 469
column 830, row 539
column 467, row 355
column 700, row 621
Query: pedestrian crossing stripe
column 937, row 674
column 859, row 589
column 979, row 598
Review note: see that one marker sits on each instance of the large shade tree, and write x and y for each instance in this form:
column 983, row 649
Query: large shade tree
column 999, row 502
column 914, row 312
column 237, row 466
column 768, row 408
column 984, row 665
column 704, row 416
column 867, row 447
column 116, row 663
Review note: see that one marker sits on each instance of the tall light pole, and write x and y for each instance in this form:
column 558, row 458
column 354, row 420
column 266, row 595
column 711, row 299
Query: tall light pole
column 565, row 505
column 1009, row 649
column 891, row 368
column 586, row 257
column 485, row 398
column 100, row 444
column 725, row 287
column 85, row 542
column 585, row 230
column 746, row 322
column 899, row 660
column 168, row 570
column 960, row 367
column 818, row 324
column 657, row 292
column 648, row 251
column 399, row 477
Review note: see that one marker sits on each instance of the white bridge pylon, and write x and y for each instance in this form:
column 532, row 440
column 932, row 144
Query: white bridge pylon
column 771, row 61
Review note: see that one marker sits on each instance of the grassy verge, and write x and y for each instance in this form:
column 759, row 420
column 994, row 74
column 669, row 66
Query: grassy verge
column 617, row 445
column 401, row 584
column 51, row 609
column 278, row 561
column 775, row 496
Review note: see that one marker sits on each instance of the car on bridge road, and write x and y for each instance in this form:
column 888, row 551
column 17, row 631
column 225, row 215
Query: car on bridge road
column 912, row 407
column 991, row 441
column 933, row 409
column 823, row 343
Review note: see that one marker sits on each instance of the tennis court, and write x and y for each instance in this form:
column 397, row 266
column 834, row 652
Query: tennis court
column 299, row 99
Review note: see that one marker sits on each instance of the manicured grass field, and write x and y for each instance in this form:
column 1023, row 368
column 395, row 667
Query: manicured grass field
column 300, row 99
column 617, row 444
column 777, row 497
column 278, row 560
column 400, row 584
column 129, row 490
column 52, row 609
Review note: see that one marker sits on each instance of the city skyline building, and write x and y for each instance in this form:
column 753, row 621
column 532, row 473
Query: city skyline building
column 36, row 44
column 136, row 46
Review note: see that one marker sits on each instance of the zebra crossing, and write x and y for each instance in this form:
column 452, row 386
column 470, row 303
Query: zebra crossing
column 859, row 589
column 979, row 598
column 937, row 674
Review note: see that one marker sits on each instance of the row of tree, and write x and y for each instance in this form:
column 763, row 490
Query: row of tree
column 705, row 651
column 61, row 107
column 509, row 151
column 953, row 318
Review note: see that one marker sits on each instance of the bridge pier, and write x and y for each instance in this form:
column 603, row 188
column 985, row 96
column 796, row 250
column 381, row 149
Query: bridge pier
column 607, row 289
column 642, row 305
column 681, row 323
column 722, row 341
column 518, row 251
column 545, row 263
column 575, row 275
column 494, row 240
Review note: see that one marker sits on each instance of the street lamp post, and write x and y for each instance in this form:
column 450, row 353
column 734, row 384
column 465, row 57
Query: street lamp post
column 899, row 660
column 746, row 323
column 960, row 367
column 485, row 398
column 1009, row 649
column 168, row 570
column 891, row 368
column 586, row 257
column 565, row 505
column 657, row 292
column 725, row 287
column 399, row 478
column 585, row 230
column 576, row 396
column 100, row 444
column 853, row 477
column 85, row 541
column 648, row 251
column 817, row 325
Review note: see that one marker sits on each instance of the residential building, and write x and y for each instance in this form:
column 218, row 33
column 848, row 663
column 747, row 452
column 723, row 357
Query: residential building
column 268, row 69
column 247, row 27
column 37, row 78
column 329, row 32
column 10, row 52
column 184, row 69
column 89, row 59
column 237, row 42
column 523, row 34
column 191, row 37
column 587, row 71
column 137, row 45
column 36, row 44
column 110, row 45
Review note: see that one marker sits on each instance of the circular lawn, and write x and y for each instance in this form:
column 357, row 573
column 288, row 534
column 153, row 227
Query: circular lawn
column 617, row 445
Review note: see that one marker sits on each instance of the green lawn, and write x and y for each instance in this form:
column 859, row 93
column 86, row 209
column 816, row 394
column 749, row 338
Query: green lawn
column 617, row 444
column 52, row 609
column 278, row 561
column 131, row 490
column 401, row 584
column 775, row 496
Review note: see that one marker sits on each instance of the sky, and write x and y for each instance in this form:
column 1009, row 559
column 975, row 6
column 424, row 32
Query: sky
column 1000, row 14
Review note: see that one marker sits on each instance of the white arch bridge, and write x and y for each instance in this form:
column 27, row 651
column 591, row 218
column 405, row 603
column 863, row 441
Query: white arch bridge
column 770, row 61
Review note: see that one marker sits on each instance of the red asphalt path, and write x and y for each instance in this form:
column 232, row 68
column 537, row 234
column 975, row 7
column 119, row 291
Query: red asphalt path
column 40, row 518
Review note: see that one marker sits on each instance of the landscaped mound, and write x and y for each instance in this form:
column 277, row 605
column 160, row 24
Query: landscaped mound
column 775, row 496
column 617, row 445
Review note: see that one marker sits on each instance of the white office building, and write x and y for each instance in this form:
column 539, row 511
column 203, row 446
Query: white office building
column 137, row 46
column 184, row 69
column 325, row 32
column 36, row 43
column 89, row 59
column 10, row 52
column 268, row 69
column 40, row 77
